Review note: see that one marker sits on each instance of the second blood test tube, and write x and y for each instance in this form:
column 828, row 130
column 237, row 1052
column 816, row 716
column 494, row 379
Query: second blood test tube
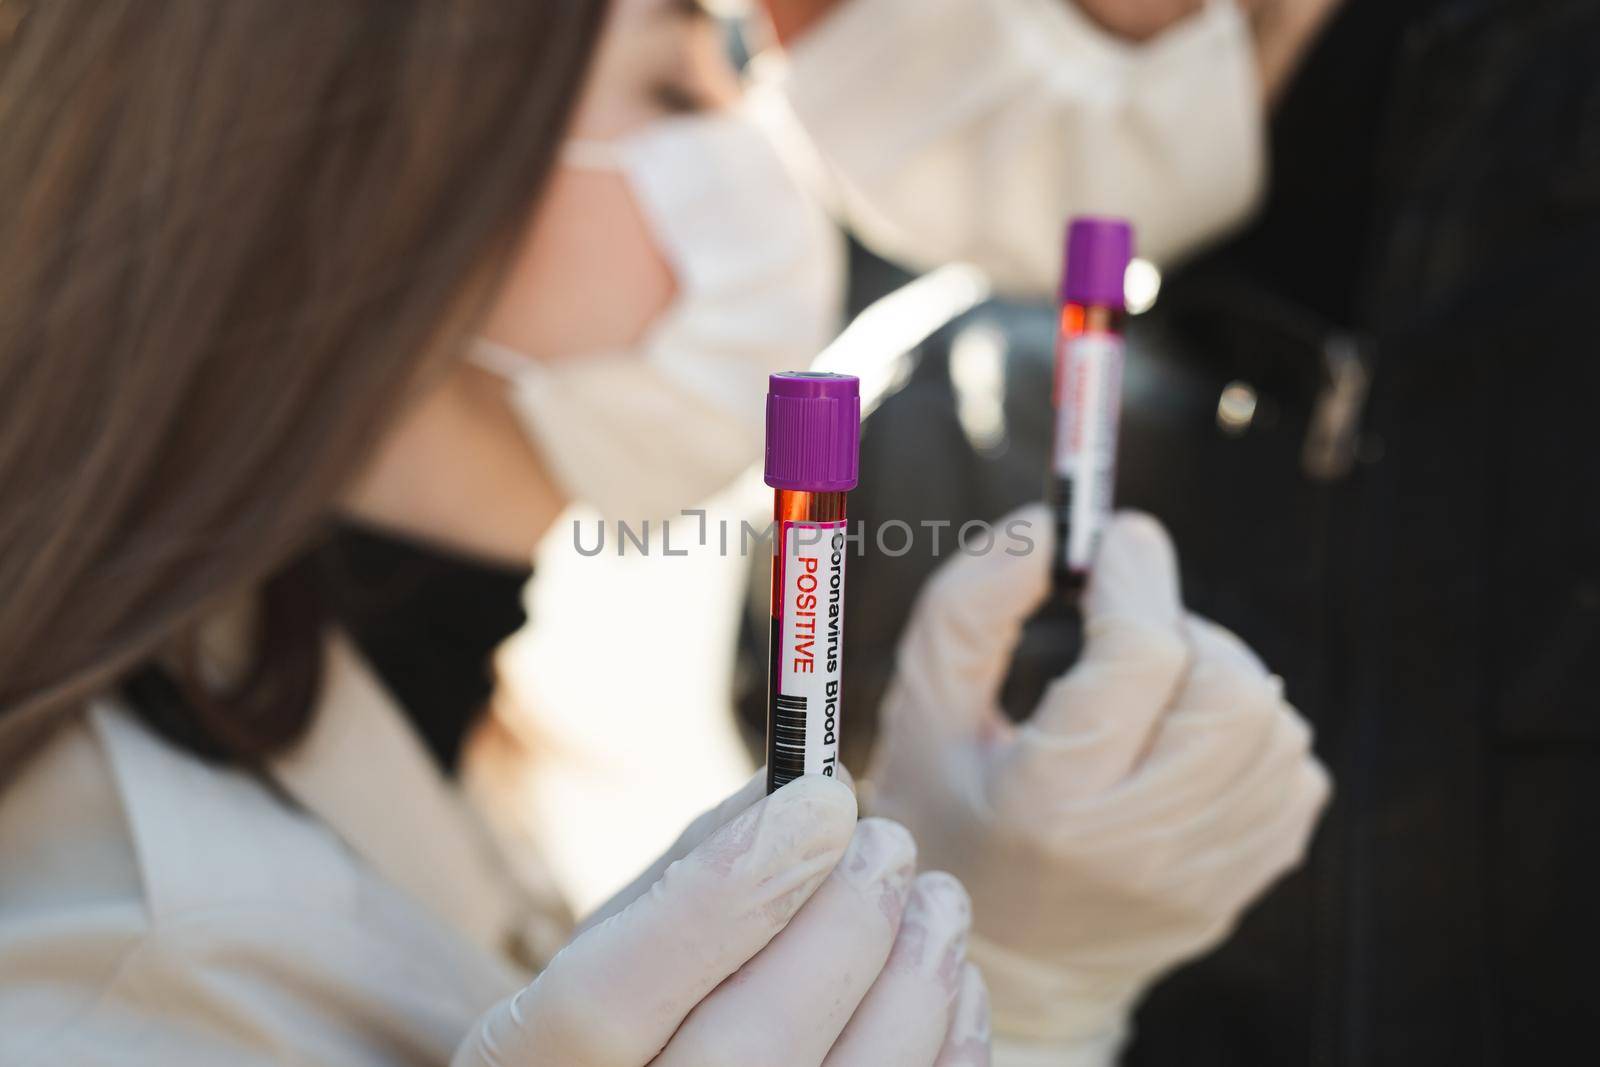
column 813, row 449
column 1088, row 392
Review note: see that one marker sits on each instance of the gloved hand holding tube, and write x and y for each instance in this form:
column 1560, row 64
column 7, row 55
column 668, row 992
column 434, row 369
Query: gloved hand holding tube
column 1160, row 786
column 838, row 956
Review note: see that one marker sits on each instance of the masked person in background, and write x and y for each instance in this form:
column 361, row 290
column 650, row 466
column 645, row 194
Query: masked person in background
column 680, row 256
column 972, row 129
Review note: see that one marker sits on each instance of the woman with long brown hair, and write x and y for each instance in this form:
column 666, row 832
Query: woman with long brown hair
column 243, row 246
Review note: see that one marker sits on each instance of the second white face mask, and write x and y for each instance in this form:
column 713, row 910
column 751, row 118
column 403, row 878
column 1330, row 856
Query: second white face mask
column 642, row 433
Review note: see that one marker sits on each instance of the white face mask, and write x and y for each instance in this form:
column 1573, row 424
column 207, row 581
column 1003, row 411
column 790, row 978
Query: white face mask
column 644, row 432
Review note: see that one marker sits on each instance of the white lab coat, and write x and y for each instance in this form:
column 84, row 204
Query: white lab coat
column 972, row 129
column 344, row 908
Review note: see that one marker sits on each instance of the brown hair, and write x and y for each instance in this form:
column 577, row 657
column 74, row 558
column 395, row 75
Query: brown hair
column 232, row 234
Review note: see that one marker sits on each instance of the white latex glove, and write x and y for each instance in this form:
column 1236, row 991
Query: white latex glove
column 1159, row 787
column 790, row 935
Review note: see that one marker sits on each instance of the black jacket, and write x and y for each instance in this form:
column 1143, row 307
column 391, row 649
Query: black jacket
column 1436, row 610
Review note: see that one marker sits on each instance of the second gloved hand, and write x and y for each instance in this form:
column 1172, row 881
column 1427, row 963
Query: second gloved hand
column 1160, row 786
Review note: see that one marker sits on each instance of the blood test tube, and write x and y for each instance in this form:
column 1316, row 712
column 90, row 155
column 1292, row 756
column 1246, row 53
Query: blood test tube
column 1088, row 392
column 813, row 451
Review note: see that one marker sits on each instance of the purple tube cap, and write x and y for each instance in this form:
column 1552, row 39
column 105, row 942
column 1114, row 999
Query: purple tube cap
column 813, row 431
column 1098, row 251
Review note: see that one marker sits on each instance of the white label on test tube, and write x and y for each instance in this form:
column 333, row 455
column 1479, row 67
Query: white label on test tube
column 1086, row 438
column 811, row 647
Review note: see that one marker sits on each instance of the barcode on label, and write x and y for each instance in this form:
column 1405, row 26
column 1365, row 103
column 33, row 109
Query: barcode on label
column 788, row 738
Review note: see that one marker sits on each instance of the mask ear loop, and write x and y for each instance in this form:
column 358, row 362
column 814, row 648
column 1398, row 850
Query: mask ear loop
column 504, row 363
column 583, row 154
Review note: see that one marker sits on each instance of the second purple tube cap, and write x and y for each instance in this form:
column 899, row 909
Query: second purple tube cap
column 1098, row 251
column 813, row 431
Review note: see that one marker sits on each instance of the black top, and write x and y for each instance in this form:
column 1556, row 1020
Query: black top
column 427, row 620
